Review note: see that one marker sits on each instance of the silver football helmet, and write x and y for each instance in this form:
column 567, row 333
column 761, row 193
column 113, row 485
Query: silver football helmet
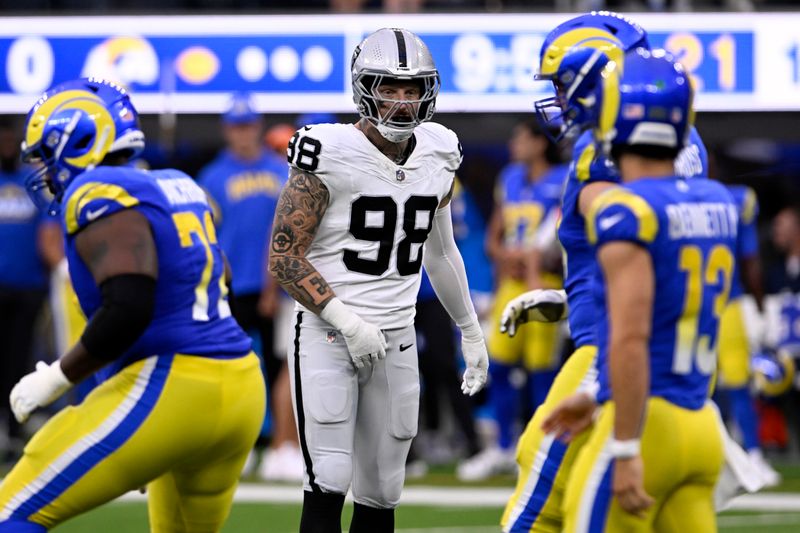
column 393, row 54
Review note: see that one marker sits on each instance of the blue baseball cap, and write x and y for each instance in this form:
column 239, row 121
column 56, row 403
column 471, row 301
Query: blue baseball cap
column 241, row 110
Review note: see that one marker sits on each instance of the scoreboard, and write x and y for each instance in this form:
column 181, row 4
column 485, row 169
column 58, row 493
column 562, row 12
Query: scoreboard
column 292, row 64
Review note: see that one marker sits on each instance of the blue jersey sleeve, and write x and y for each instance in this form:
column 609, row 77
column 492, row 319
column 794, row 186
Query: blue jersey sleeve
column 693, row 159
column 99, row 193
column 620, row 215
column 591, row 166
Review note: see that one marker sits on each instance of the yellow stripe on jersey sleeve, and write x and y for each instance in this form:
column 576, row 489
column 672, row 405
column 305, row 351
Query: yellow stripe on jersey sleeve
column 583, row 166
column 749, row 206
column 645, row 216
column 88, row 192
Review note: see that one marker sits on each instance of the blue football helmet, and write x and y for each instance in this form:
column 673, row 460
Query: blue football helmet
column 648, row 103
column 71, row 129
column 773, row 372
column 609, row 33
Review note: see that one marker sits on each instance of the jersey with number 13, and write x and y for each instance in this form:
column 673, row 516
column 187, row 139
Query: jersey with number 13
column 369, row 243
column 689, row 228
column 191, row 313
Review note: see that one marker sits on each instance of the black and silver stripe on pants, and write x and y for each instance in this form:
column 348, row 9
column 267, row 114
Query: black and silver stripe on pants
column 301, row 417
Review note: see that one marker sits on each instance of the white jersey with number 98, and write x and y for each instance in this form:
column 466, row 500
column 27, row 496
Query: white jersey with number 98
column 370, row 241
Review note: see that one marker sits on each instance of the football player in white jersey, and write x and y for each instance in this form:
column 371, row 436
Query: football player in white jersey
column 366, row 205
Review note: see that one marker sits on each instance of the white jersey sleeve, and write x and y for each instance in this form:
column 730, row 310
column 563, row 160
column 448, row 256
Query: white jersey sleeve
column 369, row 244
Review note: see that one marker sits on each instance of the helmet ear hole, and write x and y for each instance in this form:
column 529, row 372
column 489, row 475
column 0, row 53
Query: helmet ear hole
column 83, row 142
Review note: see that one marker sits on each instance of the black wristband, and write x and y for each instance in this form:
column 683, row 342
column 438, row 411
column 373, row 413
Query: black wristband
column 125, row 313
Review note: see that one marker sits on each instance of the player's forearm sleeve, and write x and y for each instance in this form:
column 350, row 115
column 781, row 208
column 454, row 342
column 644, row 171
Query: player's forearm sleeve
column 127, row 309
column 446, row 271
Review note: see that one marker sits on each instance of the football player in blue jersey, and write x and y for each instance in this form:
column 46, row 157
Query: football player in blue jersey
column 665, row 250
column 536, row 504
column 184, row 396
column 572, row 56
column 527, row 191
column 734, row 374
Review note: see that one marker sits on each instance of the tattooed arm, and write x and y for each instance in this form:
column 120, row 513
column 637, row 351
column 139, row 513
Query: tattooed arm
column 301, row 206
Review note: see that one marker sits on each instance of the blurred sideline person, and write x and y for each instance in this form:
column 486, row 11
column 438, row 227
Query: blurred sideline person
column 366, row 205
column 783, row 285
column 656, row 451
column 735, row 352
column 243, row 183
column 544, row 461
column 438, row 369
column 527, row 192
column 30, row 247
column 785, row 278
column 184, row 396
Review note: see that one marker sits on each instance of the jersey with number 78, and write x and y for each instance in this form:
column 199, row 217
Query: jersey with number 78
column 689, row 229
column 191, row 314
column 369, row 244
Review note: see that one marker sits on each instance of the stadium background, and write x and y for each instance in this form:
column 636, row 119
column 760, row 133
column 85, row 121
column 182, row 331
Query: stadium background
column 181, row 72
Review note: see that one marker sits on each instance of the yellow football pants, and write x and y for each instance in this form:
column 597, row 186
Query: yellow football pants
column 682, row 456
column 181, row 425
column 734, row 348
column 544, row 463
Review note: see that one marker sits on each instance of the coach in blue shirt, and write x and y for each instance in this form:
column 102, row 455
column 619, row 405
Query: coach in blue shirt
column 243, row 183
column 30, row 245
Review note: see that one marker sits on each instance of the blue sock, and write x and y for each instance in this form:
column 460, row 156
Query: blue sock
column 504, row 399
column 539, row 384
column 744, row 413
column 14, row 525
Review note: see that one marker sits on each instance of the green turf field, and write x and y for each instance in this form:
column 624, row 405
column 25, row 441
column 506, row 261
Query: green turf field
column 283, row 518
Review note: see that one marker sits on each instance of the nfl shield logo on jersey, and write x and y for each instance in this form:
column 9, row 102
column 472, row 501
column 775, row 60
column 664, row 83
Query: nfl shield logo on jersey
column 400, row 174
column 331, row 338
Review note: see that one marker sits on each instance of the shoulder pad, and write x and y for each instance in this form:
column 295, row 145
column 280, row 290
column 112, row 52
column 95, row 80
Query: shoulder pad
column 445, row 142
column 99, row 193
column 310, row 146
column 619, row 214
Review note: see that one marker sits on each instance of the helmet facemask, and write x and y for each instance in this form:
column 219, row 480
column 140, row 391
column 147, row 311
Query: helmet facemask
column 395, row 119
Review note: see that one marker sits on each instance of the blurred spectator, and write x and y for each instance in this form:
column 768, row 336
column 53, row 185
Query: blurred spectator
column 784, row 279
column 30, row 246
column 243, row 183
column 528, row 189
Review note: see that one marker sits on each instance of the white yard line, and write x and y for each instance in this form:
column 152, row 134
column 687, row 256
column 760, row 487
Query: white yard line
column 474, row 497
column 748, row 521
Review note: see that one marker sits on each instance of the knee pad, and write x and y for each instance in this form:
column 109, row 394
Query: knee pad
column 404, row 414
column 333, row 472
column 336, row 404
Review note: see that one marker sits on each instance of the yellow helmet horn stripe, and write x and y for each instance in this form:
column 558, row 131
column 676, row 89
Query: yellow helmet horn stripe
column 586, row 37
column 85, row 102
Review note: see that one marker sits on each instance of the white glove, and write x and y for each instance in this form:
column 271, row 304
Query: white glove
column 540, row 305
column 365, row 342
column 473, row 347
column 37, row 389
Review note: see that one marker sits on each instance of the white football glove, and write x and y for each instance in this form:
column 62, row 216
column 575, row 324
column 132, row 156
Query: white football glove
column 476, row 358
column 365, row 342
column 540, row 305
column 37, row 389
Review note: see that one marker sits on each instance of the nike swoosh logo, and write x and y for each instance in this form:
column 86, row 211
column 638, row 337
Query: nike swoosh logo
column 91, row 215
column 404, row 348
column 607, row 222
